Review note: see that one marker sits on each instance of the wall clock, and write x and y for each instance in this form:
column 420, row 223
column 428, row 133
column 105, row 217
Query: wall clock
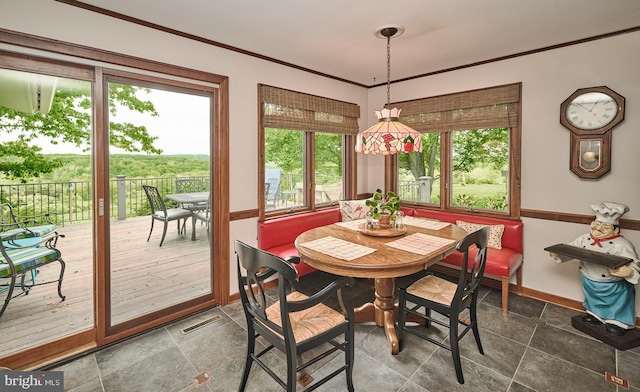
column 590, row 114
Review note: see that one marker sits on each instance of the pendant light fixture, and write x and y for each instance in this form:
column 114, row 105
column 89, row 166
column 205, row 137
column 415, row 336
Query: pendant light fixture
column 389, row 135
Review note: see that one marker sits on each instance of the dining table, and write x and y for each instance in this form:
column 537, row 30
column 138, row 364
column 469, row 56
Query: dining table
column 349, row 249
column 193, row 201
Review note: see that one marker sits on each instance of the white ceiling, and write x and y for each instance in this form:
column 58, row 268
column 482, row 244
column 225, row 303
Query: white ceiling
column 336, row 37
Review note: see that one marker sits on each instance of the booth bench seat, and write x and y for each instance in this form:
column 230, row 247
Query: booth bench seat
column 503, row 263
column 277, row 236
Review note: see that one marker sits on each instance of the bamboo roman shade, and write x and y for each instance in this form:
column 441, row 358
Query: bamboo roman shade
column 286, row 109
column 492, row 107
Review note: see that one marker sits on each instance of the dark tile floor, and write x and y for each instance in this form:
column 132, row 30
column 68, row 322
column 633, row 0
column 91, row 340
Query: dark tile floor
column 534, row 349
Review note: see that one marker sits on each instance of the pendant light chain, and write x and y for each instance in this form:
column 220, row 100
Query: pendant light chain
column 388, row 71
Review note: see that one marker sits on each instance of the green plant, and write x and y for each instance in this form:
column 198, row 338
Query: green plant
column 466, row 200
column 381, row 202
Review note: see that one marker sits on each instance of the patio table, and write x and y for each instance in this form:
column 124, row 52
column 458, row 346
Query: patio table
column 194, row 201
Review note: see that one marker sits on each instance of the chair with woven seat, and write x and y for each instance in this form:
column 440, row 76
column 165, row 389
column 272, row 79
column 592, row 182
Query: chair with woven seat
column 295, row 323
column 448, row 299
column 17, row 260
column 160, row 212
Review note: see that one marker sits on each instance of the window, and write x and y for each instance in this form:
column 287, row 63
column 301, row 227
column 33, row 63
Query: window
column 308, row 151
column 471, row 152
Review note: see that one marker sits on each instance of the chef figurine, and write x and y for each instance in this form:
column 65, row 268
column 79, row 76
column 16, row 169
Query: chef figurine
column 609, row 293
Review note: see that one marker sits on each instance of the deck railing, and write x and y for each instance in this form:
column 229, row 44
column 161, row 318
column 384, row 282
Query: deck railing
column 71, row 202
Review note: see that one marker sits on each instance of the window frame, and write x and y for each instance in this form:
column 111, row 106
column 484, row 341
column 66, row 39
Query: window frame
column 349, row 168
column 446, row 148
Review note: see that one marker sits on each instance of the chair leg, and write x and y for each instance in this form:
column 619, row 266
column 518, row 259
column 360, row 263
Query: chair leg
column 455, row 348
column 291, row 370
column 251, row 343
column 401, row 319
column 505, row 296
column 150, row 231
column 62, row 268
column 164, row 232
column 476, row 331
column 349, row 357
column 9, row 294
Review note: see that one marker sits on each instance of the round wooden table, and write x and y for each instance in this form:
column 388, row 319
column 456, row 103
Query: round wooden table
column 383, row 265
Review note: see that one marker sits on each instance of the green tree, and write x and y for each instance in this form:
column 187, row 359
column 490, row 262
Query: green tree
column 69, row 120
column 426, row 162
column 480, row 146
column 470, row 149
column 283, row 148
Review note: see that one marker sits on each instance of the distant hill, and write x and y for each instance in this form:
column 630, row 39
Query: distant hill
column 78, row 167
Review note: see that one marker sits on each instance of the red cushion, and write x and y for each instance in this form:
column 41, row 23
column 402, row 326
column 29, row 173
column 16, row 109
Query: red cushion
column 288, row 250
column 500, row 262
column 511, row 238
column 277, row 235
column 283, row 231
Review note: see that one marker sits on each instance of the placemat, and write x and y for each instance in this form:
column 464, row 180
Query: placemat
column 420, row 243
column 340, row 249
column 425, row 223
column 351, row 225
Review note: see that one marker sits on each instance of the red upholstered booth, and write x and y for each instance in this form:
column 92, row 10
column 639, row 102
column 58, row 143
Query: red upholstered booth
column 277, row 235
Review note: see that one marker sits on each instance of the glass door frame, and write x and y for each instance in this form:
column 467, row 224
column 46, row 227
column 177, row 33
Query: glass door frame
column 154, row 318
column 16, row 47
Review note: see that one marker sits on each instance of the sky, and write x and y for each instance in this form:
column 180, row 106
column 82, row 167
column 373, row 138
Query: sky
column 182, row 125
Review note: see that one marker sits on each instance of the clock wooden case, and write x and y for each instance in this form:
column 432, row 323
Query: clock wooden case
column 590, row 114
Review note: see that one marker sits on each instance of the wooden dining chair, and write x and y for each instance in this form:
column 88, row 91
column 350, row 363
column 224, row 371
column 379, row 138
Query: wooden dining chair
column 160, row 212
column 449, row 299
column 295, row 323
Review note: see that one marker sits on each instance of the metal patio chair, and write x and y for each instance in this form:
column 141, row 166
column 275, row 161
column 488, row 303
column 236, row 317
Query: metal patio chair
column 160, row 212
column 18, row 260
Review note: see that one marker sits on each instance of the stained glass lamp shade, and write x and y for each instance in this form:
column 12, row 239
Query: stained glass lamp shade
column 388, row 136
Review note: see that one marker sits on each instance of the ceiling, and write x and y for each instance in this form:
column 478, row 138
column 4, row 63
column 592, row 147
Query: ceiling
column 336, row 37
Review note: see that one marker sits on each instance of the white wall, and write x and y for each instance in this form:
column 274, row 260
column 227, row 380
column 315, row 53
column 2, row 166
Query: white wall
column 548, row 78
column 73, row 25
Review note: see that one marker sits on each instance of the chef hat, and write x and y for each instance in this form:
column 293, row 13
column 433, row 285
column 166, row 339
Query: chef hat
column 609, row 212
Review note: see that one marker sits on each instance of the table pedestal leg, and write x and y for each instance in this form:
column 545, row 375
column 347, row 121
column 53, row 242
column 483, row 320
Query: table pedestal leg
column 382, row 311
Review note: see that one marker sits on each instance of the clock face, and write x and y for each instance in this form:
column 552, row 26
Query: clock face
column 591, row 110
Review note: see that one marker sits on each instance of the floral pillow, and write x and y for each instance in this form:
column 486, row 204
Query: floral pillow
column 353, row 209
column 495, row 232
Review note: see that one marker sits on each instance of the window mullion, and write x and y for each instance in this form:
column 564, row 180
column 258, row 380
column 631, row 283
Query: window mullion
column 446, row 169
column 309, row 170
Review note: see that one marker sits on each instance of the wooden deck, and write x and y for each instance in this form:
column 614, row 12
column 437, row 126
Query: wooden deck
column 144, row 277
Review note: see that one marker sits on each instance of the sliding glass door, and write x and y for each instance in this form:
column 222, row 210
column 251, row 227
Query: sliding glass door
column 81, row 144
column 46, row 175
column 159, row 188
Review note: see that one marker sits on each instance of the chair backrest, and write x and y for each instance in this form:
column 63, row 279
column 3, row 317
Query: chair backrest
column 189, row 185
column 274, row 187
column 155, row 200
column 471, row 276
column 7, row 217
column 267, row 186
column 259, row 266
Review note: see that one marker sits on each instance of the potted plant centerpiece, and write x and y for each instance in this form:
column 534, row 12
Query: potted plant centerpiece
column 384, row 207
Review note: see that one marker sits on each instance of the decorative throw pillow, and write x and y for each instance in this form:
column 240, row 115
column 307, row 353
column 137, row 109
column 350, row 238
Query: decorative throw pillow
column 495, row 232
column 353, row 209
